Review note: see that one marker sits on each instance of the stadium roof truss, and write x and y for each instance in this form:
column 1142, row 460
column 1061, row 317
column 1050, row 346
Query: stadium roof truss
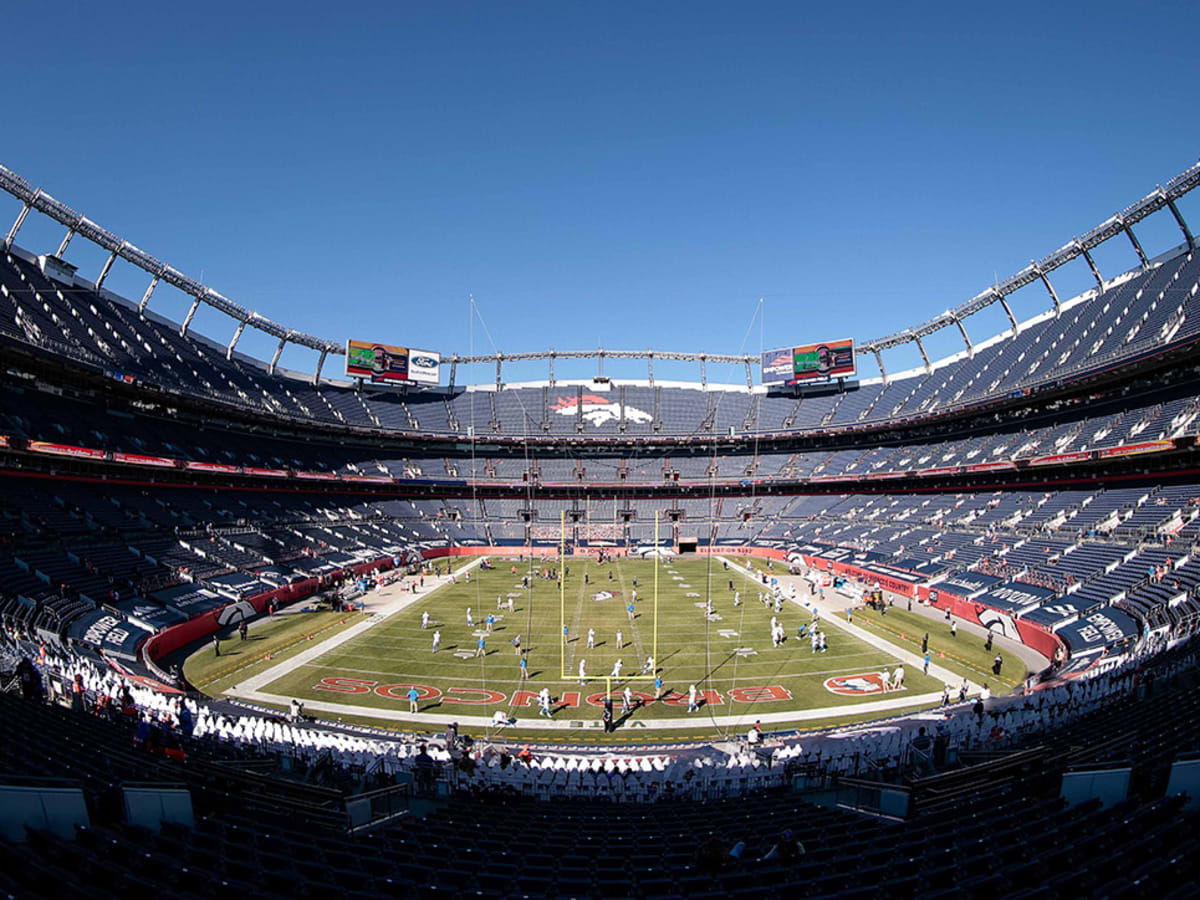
column 1162, row 197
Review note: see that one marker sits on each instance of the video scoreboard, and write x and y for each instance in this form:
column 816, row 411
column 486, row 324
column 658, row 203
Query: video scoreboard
column 389, row 364
column 809, row 362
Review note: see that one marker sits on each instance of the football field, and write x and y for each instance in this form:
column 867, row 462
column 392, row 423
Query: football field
column 728, row 654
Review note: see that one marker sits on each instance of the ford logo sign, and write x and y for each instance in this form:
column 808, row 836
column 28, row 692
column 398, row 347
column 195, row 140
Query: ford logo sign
column 425, row 362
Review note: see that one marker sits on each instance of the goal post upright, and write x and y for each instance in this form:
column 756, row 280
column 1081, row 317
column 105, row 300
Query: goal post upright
column 562, row 612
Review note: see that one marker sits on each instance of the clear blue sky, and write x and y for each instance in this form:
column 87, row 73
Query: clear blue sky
column 631, row 174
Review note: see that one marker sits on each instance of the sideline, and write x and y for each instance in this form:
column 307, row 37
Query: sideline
column 250, row 688
column 829, row 614
column 570, row 722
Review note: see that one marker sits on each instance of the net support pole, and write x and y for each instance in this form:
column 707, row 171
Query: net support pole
column 657, row 562
column 562, row 584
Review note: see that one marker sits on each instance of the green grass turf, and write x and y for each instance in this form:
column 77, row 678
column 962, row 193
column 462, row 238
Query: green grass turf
column 963, row 653
column 690, row 651
column 281, row 637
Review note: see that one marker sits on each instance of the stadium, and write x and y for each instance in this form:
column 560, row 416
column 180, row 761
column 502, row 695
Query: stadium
column 742, row 568
column 312, row 588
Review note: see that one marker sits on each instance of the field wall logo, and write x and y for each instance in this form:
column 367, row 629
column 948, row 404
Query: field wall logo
column 236, row 612
column 996, row 621
column 597, row 410
column 855, row 685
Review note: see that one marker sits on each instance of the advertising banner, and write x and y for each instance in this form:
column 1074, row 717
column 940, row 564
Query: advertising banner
column 65, row 450
column 223, row 468
column 139, row 460
column 424, row 366
column 778, row 366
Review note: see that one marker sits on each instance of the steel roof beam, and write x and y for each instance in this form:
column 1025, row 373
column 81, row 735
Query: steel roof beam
column 233, row 341
column 1011, row 318
column 149, row 290
column 924, row 355
column 80, row 224
column 1095, row 271
column 1162, row 197
column 1137, row 245
column 183, row 329
column 1051, row 291
column 962, row 329
column 16, row 226
column 66, row 242
column 112, row 258
column 1183, row 226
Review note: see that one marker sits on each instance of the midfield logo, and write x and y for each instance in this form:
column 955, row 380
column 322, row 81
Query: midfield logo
column 855, row 685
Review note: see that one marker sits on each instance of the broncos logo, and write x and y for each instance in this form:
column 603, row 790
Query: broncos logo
column 599, row 411
column 998, row 622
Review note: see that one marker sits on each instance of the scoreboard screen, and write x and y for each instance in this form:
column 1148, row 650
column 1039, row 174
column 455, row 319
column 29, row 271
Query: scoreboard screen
column 809, row 362
column 387, row 363
column 376, row 362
